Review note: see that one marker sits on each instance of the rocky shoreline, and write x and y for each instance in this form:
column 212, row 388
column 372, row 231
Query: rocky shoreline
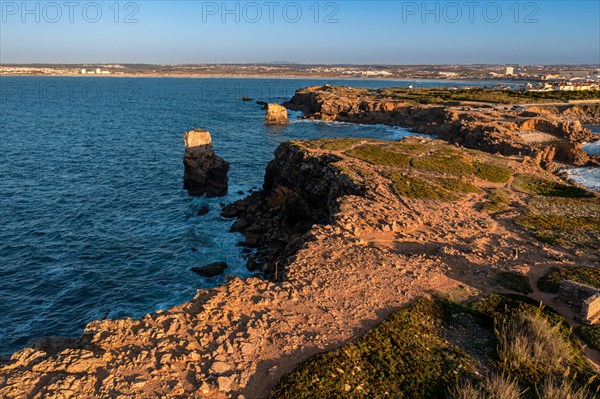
column 345, row 242
column 550, row 134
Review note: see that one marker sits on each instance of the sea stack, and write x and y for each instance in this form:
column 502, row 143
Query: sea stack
column 276, row 115
column 205, row 173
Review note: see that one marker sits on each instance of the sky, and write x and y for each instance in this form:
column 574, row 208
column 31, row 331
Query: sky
column 317, row 32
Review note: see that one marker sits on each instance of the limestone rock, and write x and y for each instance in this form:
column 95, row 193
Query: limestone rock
column 276, row 114
column 205, row 172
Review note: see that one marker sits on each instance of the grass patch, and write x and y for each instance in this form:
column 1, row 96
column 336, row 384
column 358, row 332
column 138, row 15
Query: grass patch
column 492, row 173
column 574, row 207
column 379, row 155
column 409, row 356
column 498, row 201
column 458, row 185
column 531, row 347
column 413, row 187
column 334, row 144
column 530, row 184
column 404, row 357
column 550, row 282
column 495, row 386
column 443, row 162
column 514, row 281
column 555, row 389
column 562, row 230
column 590, row 335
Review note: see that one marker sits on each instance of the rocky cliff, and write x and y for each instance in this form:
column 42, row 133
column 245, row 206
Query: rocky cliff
column 204, row 172
column 358, row 228
column 300, row 190
column 547, row 134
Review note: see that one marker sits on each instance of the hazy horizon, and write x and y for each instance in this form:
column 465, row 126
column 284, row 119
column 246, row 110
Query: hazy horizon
column 309, row 33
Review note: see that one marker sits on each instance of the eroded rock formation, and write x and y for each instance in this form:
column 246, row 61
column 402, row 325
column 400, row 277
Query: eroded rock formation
column 547, row 134
column 276, row 115
column 205, row 172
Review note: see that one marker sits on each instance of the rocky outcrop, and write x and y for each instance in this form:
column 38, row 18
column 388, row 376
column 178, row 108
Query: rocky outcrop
column 364, row 253
column 205, row 172
column 300, row 190
column 547, row 135
column 211, row 270
column 276, row 115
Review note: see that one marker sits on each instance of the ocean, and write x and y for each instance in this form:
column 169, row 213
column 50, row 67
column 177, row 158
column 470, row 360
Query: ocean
column 94, row 219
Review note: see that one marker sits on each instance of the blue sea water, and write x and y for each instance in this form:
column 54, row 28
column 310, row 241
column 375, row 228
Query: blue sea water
column 94, row 221
column 588, row 176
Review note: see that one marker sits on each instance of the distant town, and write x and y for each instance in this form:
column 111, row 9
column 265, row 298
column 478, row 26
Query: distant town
column 527, row 77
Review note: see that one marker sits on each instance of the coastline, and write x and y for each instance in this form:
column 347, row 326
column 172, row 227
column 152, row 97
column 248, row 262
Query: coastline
column 333, row 283
column 242, row 336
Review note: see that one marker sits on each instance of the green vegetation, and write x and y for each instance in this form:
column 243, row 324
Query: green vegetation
column 550, row 282
column 413, row 187
column 495, row 386
column 420, row 161
column 444, row 162
column 530, row 346
column 492, row 173
column 441, row 95
column 380, row 155
column 498, row 201
column 530, row 184
column 523, row 327
column 517, row 282
column 453, row 184
column 335, row 144
column 405, row 357
column 554, row 389
column 409, row 356
column 546, row 215
column 562, row 230
column 590, row 335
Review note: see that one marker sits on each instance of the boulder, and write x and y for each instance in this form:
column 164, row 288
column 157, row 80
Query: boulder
column 276, row 114
column 203, row 211
column 205, row 172
column 211, row 270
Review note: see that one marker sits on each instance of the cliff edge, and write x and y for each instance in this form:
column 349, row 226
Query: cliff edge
column 349, row 230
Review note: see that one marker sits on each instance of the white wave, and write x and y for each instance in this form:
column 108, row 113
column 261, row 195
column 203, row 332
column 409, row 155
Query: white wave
column 588, row 177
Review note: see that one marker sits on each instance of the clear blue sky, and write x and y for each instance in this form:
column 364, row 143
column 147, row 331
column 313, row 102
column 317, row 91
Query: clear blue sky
column 361, row 32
